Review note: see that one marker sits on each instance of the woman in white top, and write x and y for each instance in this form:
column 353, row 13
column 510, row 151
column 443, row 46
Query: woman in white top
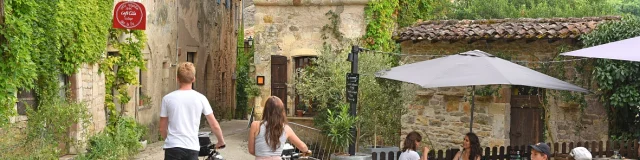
column 411, row 143
column 471, row 148
column 267, row 137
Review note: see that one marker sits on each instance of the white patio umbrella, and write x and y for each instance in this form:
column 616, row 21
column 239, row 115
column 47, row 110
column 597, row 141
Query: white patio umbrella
column 470, row 69
column 627, row 50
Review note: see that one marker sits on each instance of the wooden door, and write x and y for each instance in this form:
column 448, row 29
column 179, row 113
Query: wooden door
column 526, row 116
column 26, row 98
column 279, row 78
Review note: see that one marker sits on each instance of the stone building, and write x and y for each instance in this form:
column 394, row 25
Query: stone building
column 515, row 116
column 287, row 34
column 202, row 32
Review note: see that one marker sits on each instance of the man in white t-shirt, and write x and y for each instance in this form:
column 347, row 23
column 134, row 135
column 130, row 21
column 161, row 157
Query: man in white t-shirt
column 180, row 118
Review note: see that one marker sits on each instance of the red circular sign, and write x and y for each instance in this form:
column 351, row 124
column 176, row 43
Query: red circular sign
column 129, row 15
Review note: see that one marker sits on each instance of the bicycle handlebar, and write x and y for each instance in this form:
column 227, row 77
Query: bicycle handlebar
column 306, row 154
column 213, row 146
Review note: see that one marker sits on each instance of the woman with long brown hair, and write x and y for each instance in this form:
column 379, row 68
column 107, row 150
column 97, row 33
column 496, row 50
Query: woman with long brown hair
column 470, row 148
column 410, row 147
column 267, row 137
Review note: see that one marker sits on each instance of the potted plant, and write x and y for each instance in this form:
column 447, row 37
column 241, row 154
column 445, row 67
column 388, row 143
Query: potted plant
column 301, row 108
column 144, row 99
column 142, row 130
column 339, row 123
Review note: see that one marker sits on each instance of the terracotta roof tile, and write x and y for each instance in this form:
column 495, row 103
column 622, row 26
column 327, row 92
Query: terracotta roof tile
column 501, row 28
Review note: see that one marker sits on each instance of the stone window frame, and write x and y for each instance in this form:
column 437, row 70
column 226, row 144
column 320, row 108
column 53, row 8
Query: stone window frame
column 143, row 77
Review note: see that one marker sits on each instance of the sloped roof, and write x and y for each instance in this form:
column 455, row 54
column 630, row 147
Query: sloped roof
column 522, row 28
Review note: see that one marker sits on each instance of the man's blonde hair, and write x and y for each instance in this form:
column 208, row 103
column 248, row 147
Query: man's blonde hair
column 186, row 72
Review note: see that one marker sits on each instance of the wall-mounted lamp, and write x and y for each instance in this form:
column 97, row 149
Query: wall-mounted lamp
column 248, row 42
column 260, row 80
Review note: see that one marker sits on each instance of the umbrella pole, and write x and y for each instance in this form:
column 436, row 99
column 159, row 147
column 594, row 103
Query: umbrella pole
column 473, row 93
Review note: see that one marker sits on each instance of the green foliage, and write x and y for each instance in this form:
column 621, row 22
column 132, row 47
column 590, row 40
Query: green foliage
column 339, row 123
column 412, row 11
column 628, row 6
column 380, row 100
column 128, row 60
column 44, row 39
column 120, row 143
column 45, row 131
column 487, row 9
column 618, row 81
column 380, row 16
column 246, row 88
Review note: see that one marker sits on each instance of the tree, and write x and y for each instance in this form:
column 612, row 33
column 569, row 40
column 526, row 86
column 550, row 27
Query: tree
column 618, row 81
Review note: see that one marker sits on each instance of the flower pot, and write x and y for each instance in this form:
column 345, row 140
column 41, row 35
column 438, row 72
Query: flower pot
column 299, row 113
column 143, row 144
column 358, row 156
column 381, row 149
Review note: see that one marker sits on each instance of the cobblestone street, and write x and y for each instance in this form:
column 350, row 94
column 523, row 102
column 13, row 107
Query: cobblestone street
column 235, row 134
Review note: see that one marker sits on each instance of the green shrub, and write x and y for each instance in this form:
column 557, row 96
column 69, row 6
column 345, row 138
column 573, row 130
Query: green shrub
column 338, row 125
column 120, row 143
column 45, row 131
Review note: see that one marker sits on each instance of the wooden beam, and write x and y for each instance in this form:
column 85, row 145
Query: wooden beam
column 471, row 40
column 529, row 40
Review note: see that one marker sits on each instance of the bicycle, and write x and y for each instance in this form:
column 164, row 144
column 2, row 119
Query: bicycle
column 289, row 153
column 208, row 149
column 213, row 153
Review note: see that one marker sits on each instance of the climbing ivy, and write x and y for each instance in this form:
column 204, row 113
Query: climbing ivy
column 120, row 70
column 380, row 16
column 618, row 81
column 246, row 88
column 42, row 40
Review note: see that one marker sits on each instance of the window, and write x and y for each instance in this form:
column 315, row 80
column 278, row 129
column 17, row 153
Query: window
column 300, row 64
column 228, row 3
column 191, row 58
column 63, row 82
column 143, row 99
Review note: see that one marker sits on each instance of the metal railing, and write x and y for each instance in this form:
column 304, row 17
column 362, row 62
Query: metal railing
column 318, row 143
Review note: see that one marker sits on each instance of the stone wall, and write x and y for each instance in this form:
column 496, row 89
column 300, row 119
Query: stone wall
column 293, row 29
column 443, row 114
column 88, row 87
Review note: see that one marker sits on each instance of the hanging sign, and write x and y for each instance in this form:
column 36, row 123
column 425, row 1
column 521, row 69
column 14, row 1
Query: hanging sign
column 352, row 87
column 130, row 15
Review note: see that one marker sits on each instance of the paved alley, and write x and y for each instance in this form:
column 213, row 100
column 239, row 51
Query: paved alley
column 235, row 133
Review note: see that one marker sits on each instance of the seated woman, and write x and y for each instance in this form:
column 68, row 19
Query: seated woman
column 471, row 148
column 267, row 137
column 411, row 143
